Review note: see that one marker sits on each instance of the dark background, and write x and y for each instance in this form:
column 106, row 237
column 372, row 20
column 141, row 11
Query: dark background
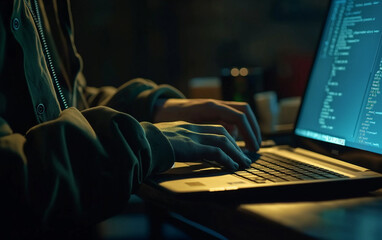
column 173, row 41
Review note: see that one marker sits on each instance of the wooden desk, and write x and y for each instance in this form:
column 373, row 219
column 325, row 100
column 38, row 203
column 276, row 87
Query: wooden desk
column 348, row 218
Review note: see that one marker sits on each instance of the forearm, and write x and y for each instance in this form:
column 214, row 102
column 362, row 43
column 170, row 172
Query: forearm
column 139, row 97
column 76, row 170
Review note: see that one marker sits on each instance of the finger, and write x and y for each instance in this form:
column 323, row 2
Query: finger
column 232, row 115
column 245, row 108
column 250, row 134
column 212, row 129
column 226, row 146
column 218, row 155
column 231, row 129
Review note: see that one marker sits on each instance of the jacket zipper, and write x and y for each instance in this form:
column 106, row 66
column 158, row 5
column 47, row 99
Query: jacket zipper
column 37, row 20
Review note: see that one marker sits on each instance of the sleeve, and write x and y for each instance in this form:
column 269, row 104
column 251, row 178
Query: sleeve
column 136, row 97
column 75, row 171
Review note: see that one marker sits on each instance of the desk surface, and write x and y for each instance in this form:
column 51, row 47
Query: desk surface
column 348, row 218
column 351, row 218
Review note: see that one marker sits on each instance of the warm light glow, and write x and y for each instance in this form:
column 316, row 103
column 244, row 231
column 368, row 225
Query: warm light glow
column 244, row 72
column 235, row 72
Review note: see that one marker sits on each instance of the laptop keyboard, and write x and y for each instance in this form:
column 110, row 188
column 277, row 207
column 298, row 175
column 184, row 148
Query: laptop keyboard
column 270, row 167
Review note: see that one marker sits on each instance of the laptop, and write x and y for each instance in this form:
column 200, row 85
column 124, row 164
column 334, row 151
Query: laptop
column 338, row 131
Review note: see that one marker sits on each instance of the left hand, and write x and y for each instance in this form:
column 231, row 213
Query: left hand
column 194, row 142
column 231, row 115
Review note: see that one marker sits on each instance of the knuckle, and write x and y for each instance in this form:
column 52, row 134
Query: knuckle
column 188, row 126
column 184, row 132
column 223, row 139
column 183, row 124
column 210, row 103
column 220, row 129
column 247, row 108
column 224, row 131
column 242, row 117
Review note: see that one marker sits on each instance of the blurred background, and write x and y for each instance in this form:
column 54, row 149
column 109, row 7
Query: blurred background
column 228, row 49
column 175, row 41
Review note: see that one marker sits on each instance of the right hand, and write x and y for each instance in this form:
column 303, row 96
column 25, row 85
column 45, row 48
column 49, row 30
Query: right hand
column 195, row 142
column 236, row 117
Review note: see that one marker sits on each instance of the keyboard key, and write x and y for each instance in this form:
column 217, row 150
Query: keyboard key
column 271, row 167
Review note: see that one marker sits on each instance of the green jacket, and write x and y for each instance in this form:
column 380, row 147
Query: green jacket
column 70, row 155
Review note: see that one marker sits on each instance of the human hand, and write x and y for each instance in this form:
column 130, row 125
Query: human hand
column 193, row 142
column 232, row 115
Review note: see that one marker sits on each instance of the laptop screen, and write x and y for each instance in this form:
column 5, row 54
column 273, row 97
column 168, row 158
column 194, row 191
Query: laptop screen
column 343, row 103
